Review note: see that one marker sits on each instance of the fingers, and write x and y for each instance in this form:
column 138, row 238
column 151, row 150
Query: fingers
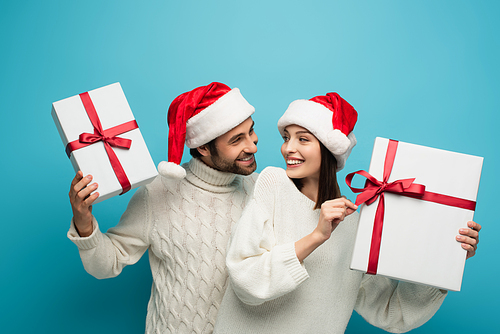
column 350, row 205
column 473, row 225
column 85, row 197
column 83, row 194
column 80, row 191
column 467, row 240
column 343, row 203
column 77, row 178
column 78, row 183
column 471, row 251
column 469, row 237
column 336, row 210
column 467, row 232
column 333, row 213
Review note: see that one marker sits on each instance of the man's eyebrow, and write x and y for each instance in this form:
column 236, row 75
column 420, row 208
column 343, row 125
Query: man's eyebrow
column 234, row 137
column 239, row 134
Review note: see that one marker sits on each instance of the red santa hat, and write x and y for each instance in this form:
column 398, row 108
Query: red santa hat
column 198, row 116
column 329, row 118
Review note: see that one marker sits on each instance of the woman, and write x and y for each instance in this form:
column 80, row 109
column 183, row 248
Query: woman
column 288, row 257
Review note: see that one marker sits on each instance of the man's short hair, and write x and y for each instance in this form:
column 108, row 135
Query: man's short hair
column 210, row 146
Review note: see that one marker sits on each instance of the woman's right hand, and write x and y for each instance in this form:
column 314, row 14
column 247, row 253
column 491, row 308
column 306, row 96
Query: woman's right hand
column 81, row 203
column 332, row 213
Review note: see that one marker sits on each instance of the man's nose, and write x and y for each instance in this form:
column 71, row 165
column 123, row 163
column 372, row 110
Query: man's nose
column 252, row 144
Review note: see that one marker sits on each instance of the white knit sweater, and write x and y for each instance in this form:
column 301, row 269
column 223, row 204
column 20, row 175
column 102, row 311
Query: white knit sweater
column 272, row 292
column 185, row 225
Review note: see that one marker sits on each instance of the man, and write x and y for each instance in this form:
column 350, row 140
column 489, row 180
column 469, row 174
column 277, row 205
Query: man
column 183, row 219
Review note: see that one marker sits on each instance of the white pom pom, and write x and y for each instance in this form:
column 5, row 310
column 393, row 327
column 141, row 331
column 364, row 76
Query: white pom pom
column 171, row 170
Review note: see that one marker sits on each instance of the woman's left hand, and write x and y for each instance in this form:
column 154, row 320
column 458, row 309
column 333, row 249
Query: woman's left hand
column 469, row 237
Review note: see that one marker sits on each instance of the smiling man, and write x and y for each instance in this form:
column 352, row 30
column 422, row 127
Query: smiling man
column 184, row 217
column 225, row 154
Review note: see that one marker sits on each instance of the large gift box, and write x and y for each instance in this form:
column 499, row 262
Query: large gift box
column 415, row 199
column 102, row 138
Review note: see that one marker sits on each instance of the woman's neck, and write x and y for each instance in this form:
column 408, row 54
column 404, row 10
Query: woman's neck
column 310, row 188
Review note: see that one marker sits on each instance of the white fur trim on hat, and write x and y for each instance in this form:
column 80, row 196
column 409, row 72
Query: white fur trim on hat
column 341, row 159
column 318, row 120
column 171, row 170
column 223, row 115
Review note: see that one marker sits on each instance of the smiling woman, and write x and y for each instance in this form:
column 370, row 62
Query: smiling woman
column 302, row 149
column 288, row 256
column 302, row 154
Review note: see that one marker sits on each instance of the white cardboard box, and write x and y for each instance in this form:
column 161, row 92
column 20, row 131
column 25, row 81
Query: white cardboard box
column 418, row 238
column 112, row 109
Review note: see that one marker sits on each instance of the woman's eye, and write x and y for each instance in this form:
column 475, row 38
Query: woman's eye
column 303, row 139
column 285, row 138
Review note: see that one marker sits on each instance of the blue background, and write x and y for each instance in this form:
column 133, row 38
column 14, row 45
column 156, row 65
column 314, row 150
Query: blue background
column 424, row 72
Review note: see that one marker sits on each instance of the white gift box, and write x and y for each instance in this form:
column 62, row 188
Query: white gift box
column 112, row 108
column 418, row 241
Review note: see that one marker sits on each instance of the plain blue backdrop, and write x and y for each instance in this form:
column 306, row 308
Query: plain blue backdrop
column 424, row 72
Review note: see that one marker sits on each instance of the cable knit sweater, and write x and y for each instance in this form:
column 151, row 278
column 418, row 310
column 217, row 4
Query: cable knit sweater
column 272, row 292
column 185, row 224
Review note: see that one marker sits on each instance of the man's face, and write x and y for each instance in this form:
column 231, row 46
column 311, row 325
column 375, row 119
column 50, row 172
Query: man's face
column 235, row 150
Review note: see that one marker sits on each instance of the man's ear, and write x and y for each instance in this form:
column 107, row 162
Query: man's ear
column 203, row 150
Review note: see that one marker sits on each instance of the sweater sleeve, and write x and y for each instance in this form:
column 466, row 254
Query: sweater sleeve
column 397, row 306
column 259, row 268
column 104, row 255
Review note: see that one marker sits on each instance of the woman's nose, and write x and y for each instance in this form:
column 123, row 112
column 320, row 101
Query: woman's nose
column 290, row 146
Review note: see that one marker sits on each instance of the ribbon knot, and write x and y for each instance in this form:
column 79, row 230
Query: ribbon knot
column 374, row 188
column 91, row 138
column 382, row 188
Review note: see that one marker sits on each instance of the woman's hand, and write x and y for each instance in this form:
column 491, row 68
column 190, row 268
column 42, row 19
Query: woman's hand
column 469, row 237
column 332, row 213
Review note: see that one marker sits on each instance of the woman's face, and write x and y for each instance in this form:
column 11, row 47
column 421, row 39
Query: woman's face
column 302, row 153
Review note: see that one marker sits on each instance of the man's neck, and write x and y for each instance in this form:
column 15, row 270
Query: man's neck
column 207, row 161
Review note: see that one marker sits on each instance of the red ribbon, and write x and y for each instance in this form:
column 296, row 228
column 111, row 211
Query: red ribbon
column 405, row 187
column 108, row 137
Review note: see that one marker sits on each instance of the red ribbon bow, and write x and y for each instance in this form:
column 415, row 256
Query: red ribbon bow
column 405, row 187
column 108, row 137
column 90, row 138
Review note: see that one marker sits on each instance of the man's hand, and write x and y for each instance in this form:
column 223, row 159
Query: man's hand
column 81, row 203
column 469, row 237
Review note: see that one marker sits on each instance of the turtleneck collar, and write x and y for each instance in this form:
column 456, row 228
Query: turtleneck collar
column 205, row 177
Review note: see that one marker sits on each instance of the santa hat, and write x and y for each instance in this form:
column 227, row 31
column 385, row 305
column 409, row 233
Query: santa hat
column 198, row 116
column 329, row 118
